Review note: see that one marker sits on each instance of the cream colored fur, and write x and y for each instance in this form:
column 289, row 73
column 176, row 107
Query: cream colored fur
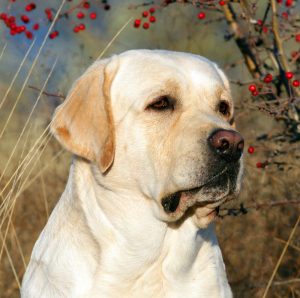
column 109, row 236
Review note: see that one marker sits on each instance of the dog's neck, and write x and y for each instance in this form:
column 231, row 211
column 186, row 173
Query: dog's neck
column 136, row 246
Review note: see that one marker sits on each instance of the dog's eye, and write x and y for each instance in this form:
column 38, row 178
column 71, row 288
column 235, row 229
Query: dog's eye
column 162, row 103
column 224, row 108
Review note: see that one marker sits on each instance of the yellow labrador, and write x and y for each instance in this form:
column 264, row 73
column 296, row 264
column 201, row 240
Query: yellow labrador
column 156, row 154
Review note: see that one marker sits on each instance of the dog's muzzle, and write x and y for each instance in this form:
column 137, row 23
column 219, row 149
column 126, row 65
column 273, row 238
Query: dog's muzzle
column 226, row 148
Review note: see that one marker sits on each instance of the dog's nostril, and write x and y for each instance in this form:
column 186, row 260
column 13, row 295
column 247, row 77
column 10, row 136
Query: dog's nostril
column 240, row 145
column 224, row 145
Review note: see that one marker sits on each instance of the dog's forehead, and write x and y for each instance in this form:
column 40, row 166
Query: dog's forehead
column 141, row 64
column 141, row 72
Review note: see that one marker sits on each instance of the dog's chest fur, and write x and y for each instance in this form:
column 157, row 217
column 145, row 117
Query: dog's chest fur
column 129, row 255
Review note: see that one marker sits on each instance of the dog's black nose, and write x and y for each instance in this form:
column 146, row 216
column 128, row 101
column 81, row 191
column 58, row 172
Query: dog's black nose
column 228, row 144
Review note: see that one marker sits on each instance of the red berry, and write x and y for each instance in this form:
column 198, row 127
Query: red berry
column 80, row 15
column 146, row 25
column 268, row 78
column 76, row 29
column 48, row 12
column 29, row 34
column 25, row 19
column 259, row 165
column 288, row 3
column 53, row 34
column 222, row 3
column 297, row 37
column 152, row 19
column 18, row 29
column 145, row 14
column 251, row 149
column 30, row 7
column 11, row 19
column 294, row 54
column 13, row 32
column 201, row 15
column 93, row 15
column 152, row 10
column 252, row 87
column 296, row 83
column 81, row 26
column 22, row 28
column 285, row 15
column 289, row 75
column 279, row 1
column 265, row 29
column 3, row 16
column 259, row 22
column 137, row 23
column 12, row 26
column 255, row 93
column 36, row 26
column 86, row 5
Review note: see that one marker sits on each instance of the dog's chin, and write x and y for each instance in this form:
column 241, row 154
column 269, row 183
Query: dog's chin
column 203, row 202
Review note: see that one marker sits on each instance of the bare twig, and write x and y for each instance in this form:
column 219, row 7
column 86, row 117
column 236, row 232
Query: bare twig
column 244, row 209
column 47, row 93
column 280, row 258
column 241, row 41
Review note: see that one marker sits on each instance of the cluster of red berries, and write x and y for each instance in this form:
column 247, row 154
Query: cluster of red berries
column 259, row 164
column 288, row 3
column 201, row 15
column 265, row 29
column 81, row 15
column 79, row 27
column 289, row 75
column 10, row 20
column 269, row 78
column 146, row 14
column 252, row 88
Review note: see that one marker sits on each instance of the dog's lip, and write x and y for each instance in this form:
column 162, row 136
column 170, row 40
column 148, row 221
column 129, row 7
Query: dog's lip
column 215, row 210
column 197, row 188
column 171, row 202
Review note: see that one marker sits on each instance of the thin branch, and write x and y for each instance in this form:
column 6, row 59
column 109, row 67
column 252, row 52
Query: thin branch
column 245, row 209
column 47, row 93
column 241, row 41
column 285, row 282
column 279, row 50
column 280, row 258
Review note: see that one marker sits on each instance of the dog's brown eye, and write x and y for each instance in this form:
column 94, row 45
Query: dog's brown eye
column 224, row 108
column 161, row 104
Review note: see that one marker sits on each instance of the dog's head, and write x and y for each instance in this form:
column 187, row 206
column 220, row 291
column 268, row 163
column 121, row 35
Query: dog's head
column 160, row 124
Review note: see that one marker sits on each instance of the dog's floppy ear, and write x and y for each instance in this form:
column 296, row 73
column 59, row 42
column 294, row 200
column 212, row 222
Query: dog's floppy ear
column 83, row 123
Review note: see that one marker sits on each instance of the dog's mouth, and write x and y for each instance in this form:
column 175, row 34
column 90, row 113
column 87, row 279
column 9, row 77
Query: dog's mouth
column 213, row 193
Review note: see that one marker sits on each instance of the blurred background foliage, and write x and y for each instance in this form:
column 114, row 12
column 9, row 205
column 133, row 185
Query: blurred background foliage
column 251, row 243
